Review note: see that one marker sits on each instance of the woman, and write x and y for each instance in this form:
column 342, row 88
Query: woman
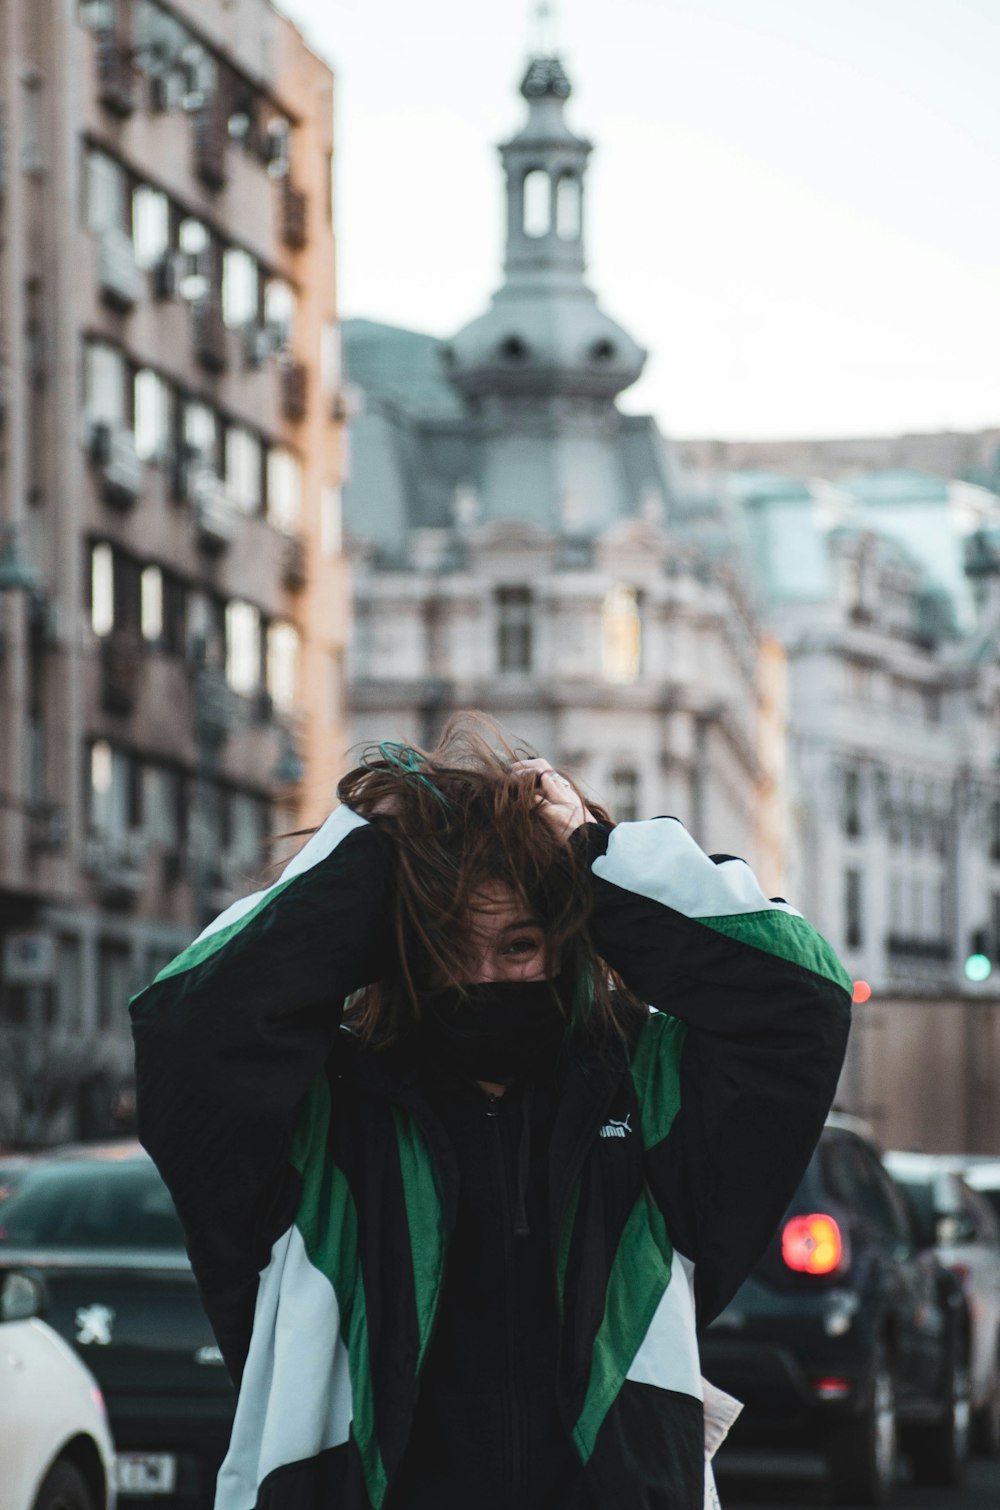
column 454, row 1237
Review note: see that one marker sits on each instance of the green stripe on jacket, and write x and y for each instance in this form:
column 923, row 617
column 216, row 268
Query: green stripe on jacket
column 328, row 1221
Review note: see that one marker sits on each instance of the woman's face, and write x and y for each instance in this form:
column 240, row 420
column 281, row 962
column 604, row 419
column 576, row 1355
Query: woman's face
column 506, row 942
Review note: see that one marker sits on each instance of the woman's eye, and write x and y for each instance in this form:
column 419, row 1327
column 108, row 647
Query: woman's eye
column 522, row 946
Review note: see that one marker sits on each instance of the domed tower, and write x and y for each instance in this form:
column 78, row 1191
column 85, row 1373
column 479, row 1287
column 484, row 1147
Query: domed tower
column 545, row 357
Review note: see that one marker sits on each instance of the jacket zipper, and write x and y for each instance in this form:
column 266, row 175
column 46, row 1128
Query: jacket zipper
column 511, row 1400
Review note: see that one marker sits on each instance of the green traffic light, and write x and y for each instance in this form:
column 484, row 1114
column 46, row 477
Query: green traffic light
column 978, row 967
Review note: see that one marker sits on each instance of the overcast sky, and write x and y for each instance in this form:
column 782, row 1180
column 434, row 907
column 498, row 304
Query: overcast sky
column 794, row 204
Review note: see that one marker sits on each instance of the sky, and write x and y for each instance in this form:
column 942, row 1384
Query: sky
column 794, row 205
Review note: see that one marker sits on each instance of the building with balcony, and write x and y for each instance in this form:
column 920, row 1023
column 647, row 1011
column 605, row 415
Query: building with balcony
column 512, row 537
column 173, row 619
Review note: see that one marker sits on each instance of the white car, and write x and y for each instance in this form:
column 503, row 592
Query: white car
column 55, row 1446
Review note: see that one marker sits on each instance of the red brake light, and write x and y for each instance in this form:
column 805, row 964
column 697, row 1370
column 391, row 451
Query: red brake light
column 812, row 1244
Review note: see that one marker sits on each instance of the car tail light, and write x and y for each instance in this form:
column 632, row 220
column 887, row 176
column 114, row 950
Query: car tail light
column 812, row 1244
column 98, row 1398
column 832, row 1387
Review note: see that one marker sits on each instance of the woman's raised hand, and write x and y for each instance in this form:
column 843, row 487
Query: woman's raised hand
column 557, row 799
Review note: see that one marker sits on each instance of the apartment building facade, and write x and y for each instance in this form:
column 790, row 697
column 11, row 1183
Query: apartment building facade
column 172, row 593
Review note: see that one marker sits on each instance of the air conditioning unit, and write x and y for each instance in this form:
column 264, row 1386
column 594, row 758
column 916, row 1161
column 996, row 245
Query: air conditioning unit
column 217, row 517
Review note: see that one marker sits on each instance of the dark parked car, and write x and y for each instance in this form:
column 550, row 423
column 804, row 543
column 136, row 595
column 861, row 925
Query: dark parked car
column 99, row 1232
column 849, row 1338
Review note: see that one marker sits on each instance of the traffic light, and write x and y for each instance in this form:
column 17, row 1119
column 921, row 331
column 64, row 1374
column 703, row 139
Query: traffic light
column 978, row 965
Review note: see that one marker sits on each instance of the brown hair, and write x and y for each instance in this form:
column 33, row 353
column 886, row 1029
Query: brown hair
column 459, row 822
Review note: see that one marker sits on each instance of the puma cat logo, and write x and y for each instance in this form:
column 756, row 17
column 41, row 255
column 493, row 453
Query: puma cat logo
column 616, row 1129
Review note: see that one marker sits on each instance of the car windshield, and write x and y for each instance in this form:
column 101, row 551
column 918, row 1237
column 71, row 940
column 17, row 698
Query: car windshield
column 83, row 1203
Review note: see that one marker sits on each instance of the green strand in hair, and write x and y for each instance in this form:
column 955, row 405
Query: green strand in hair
column 408, row 760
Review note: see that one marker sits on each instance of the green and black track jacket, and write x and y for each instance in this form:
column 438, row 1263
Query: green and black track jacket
column 317, row 1190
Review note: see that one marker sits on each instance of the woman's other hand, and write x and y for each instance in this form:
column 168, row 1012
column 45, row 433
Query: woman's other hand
column 557, row 799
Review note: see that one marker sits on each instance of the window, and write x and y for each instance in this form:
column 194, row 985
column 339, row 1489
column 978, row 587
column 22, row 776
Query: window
column 851, row 815
column 331, row 522
column 103, row 383
column 852, row 908
column 244, row 459
column 102, row 589
column 330, row 358
column 106, row 192
column 284, row 489
column 624, row 795
column 196, row 251
column 537, row 189
column 278, row 135
column 161, row 805
column 151, row 603
column 152, row 415
column 98, row 15
column 201, row 435
column 150, row 225
column 514, row 629
column 279, row 311
column 109, row 789
column 248, row 830
column 568, row 208
column 621, row 635
column 283, row 665
column 242, row 646
column 114, row 986
column 240, row 287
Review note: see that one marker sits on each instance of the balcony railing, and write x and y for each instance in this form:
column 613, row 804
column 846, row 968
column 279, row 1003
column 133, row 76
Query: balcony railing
column 216, row 516
column 118, row 864
column 294, row 569
column 112, row 449
column 211, row 140
column 294, row 209
column 115, row 73
column 209, row 332
column 121, row 671
column 121, row 280
column 294, row 389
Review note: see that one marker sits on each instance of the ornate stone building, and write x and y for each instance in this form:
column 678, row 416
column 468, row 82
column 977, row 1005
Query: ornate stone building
column 512, row 534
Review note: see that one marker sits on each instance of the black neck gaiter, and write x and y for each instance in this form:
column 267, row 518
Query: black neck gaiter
column 494, row 1030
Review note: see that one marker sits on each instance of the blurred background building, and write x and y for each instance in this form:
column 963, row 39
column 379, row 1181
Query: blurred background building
column 172, row 597
column 790, row 645
column 512, row 540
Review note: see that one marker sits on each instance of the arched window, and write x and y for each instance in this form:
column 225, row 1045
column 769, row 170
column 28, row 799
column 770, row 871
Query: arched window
column 537, row 214
column 621, row 635
column 568, row 208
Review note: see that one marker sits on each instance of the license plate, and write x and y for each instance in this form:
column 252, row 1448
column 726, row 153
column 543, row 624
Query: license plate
column 146, row 1473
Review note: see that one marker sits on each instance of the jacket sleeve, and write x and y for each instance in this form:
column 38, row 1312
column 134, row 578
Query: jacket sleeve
column 230, row 1034
column 759, row 1013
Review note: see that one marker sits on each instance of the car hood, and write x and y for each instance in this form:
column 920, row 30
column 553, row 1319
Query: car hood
column 135, row 1318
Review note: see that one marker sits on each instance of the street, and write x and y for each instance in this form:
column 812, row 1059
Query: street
column 981, row 1491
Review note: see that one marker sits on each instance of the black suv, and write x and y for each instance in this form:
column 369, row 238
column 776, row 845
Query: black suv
column 849, row 1337
column 97, row 1232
